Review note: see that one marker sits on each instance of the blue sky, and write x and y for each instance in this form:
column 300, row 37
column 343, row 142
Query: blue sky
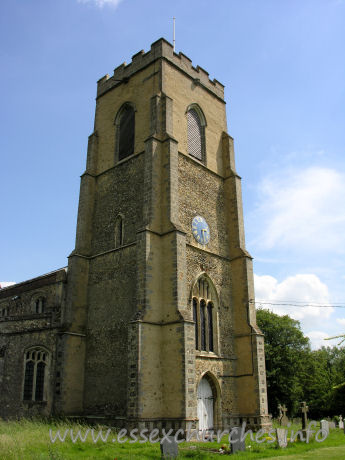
column 283, row 65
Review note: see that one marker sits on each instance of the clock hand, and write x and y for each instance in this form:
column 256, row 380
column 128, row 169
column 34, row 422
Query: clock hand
column 202, row 231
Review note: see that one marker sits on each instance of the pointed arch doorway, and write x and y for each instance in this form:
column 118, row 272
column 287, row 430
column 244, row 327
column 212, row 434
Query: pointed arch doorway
column 205, row 405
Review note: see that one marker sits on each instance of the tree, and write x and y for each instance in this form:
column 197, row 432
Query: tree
column 323, row 385
column 319, row 381
column 287, row 352
column 295, row 373
column 342, row 336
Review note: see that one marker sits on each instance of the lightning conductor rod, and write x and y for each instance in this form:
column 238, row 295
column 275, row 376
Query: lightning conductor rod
column 174, row 33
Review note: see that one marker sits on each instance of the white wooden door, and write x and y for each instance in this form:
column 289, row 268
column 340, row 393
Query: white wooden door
column 205, row 405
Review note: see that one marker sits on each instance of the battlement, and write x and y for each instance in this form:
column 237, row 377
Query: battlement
column 161, row 49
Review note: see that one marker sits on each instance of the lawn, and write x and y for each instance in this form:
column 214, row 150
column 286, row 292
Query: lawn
column 30, row 440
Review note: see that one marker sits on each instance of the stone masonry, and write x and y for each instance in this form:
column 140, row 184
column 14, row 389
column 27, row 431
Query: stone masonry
column 118, row 326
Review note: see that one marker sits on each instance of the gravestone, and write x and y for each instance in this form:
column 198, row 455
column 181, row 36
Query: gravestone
column 331, row 425
column 236, row 445
column 297, row 420
column 169, row 447
column 281, row 437
column 280, row 412
column 324, row 425
column 304, row 410
column 283, row 419
column 341, row 422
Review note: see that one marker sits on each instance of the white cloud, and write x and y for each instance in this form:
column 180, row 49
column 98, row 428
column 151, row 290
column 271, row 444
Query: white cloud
column 301, row 209
column 297, row 290
column 317, row 339
column 101, row 3
column 6, row 283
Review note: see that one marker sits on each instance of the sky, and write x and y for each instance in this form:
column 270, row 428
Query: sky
column 283, row 67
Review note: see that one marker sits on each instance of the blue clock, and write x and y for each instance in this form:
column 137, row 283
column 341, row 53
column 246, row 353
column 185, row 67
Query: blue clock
column 201, row 230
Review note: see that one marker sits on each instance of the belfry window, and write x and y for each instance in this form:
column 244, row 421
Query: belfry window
column 204, row 315
column 36, row 362
column 196, row 133
column 125, row 127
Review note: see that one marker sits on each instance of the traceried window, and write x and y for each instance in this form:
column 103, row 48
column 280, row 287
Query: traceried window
column 40, row 305
column 36, row 362
column 204, row 315
column 118, row 231
column 125, row 128
column 196, row 133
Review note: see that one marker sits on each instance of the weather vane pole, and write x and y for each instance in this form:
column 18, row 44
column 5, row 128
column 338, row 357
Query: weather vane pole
column 174, row 32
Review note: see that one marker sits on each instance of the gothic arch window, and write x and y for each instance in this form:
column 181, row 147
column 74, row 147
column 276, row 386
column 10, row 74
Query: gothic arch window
column 125, row 129
column 36, row 362
column 118, row 231
column 196, row 123
column 204, row 298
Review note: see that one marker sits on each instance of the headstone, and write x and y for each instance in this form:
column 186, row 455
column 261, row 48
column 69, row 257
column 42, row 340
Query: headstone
column 324, row 425
column 304, row 410
column 169, row 447
column 280, row 412
column 341, row 422
column 284, row 419
column 331, row 425
column 238, row 445
column 281, row 437
column 297, row 421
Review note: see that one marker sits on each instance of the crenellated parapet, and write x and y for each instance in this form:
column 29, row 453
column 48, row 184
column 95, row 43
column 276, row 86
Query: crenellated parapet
column 161, row 49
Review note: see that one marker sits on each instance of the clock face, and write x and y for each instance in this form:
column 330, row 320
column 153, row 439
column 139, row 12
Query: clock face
column 201, row 230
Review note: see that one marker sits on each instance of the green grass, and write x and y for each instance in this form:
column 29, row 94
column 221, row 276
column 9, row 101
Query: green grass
column 29, row 440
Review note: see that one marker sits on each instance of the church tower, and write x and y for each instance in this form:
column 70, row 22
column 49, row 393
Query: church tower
column 160, row 327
